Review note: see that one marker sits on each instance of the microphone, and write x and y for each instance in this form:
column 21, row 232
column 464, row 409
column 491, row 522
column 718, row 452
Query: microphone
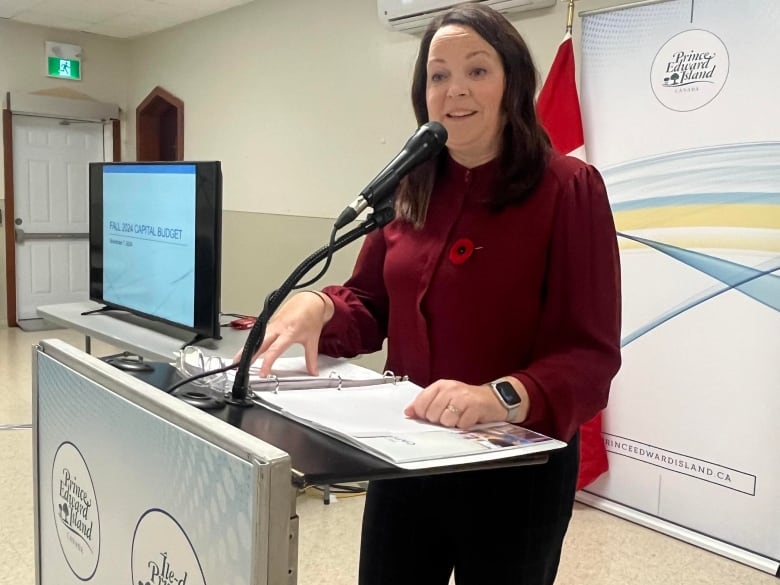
column 426, row 143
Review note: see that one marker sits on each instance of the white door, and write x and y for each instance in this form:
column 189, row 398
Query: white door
column 51, row 182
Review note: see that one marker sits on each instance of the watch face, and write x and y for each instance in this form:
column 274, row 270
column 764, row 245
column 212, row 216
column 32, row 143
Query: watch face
column 508, row 393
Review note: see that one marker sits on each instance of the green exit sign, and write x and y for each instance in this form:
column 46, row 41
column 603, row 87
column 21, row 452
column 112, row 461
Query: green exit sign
column 63, row 61
column 64, row 68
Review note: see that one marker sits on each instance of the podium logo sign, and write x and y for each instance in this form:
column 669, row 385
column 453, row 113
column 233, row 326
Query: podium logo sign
column 690, row 70
column 162, row 552
column 75, row 511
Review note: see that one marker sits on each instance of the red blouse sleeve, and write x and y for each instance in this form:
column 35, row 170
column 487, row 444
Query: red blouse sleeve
column 577, row 349
column 359, row 324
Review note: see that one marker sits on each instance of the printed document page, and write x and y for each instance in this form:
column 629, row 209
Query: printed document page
column 371, row 418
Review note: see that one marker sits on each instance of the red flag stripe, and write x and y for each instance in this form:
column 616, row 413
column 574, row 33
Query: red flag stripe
column 558, row 106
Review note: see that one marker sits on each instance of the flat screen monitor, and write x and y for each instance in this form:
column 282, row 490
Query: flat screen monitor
column 155, row 231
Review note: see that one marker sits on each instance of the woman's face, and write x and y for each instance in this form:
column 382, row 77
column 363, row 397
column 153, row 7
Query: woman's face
column 464, row 91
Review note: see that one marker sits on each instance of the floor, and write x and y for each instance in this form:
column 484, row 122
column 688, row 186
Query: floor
column 600, row 549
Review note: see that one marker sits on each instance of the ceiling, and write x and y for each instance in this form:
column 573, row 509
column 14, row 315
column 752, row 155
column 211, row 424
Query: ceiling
column 123, row 19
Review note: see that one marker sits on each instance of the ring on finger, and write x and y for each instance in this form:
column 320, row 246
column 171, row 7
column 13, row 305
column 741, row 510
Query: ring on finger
column 454, row 409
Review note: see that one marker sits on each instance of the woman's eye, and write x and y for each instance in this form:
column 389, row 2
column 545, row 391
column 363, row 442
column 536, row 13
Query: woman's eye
column 435, row 77
column 478, row 72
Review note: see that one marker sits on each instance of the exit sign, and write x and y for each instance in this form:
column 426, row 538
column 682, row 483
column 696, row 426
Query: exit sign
column 63, row 61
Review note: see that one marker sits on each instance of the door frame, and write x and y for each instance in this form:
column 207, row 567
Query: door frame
column 47, row 107
column 159, row 118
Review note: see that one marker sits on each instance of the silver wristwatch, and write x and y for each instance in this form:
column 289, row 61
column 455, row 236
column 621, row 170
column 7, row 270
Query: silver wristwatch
column 508, row 397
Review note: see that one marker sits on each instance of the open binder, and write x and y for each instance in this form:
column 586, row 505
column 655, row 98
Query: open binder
column 365, row 409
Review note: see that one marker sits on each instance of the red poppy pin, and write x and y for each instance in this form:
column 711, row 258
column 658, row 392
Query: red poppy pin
column 461, row 251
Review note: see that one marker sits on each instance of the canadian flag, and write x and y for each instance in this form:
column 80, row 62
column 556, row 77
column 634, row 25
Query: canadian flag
column 558, row 108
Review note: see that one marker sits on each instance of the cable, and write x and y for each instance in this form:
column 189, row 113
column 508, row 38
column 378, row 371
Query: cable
column 205, row 374
column 240, row 392
column 329, row 257
column 340, row 488
column 320, row 492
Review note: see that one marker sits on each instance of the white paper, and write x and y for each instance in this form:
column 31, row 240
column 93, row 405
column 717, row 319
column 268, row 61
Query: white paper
column 372, row 419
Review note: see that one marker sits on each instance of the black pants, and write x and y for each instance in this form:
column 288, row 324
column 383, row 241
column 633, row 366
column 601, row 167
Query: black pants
column 494, row 527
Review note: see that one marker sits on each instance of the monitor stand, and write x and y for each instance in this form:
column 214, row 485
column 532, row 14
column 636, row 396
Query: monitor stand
column 102, row 309
column 198, row 338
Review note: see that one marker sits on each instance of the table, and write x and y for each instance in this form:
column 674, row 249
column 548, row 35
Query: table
column 145, row 337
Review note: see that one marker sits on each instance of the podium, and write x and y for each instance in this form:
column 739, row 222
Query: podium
column 134, row 485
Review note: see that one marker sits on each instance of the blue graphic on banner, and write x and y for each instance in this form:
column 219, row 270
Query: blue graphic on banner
column 761, row 285
column 667, row 194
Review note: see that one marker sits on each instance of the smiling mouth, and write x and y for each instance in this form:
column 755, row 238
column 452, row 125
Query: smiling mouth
column 460, row 115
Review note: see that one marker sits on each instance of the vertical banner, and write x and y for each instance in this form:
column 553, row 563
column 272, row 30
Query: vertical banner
column 680, row 110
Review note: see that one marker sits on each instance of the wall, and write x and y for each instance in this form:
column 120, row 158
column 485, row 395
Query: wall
column 22, row 69
column 303, row 102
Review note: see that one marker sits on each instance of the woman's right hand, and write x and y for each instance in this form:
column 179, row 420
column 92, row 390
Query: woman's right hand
column 300, row 319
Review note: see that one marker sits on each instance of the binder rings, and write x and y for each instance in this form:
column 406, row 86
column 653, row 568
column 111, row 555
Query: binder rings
column 365, row 409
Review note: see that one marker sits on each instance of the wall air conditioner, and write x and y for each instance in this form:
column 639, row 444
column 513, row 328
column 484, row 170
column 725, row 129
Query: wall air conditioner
column 412, row 16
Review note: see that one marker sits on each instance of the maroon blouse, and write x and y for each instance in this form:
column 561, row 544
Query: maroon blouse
column 531, row 292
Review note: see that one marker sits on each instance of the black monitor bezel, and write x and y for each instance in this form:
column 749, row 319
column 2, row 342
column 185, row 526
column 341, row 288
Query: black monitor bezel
column 208, row 244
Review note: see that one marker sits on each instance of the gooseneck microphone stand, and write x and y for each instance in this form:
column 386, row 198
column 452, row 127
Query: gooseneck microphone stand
column 240, row 395
column 427, row 142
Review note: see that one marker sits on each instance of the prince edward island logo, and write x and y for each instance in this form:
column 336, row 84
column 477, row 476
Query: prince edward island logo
column 690, row 70
column 75, row 511
column 163, row 553
column 161, row 573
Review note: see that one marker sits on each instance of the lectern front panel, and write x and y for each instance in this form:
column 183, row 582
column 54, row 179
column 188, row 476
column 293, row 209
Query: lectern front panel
column 126, row 495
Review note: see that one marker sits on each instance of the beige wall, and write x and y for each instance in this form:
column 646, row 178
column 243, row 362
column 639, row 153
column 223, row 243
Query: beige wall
column 303, row 102
column 22, row 64
column 22, row 69
column 260, row 250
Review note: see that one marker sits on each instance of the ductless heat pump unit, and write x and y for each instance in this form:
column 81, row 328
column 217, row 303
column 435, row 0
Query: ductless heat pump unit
column 414, row 15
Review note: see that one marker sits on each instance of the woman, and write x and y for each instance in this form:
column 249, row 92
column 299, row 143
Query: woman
column 497, row 289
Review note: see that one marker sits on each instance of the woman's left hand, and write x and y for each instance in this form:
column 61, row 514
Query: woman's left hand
column 454, row 404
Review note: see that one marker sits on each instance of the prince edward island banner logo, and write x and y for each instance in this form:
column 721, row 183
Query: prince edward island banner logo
column 690, row 70
column 75, row 511
column 162, row 552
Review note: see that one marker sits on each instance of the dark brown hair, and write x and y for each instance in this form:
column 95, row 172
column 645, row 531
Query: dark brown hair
column 525, row 145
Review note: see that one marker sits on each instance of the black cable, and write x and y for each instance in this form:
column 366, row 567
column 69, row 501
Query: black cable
column 380, row 217
column 331, row 249
column 205, row 374
column 273, row 300
column 337, row 488
column 121, row 354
